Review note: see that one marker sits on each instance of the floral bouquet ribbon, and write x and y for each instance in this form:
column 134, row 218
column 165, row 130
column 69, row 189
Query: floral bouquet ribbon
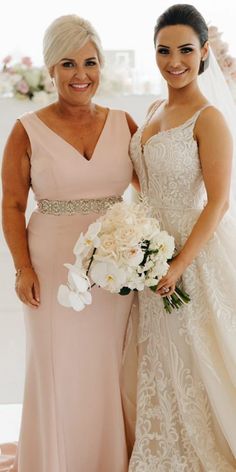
column 123, row 250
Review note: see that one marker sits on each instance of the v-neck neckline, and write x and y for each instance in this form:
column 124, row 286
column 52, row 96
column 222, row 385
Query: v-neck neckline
column 169, row 130
column 71, row 145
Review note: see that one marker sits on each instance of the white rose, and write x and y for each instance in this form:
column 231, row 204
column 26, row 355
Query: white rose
column 107, row 247
column 133, row 257
column 128, row 236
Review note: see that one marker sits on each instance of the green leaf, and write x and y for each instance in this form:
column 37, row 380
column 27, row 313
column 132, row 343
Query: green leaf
column 125, row 291
column 153, row 288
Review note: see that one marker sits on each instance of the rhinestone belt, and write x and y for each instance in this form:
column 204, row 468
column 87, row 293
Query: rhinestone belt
column 70, row 207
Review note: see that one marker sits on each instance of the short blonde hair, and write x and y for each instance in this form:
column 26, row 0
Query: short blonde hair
column 67, row 34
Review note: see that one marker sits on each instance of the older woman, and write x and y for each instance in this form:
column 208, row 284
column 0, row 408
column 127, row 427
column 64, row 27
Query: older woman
column 72, row 150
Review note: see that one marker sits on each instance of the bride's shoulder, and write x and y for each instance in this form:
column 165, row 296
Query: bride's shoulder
column 210, row 116
column 211, row 123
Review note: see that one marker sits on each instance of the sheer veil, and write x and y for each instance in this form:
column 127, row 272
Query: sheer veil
column 215, row 88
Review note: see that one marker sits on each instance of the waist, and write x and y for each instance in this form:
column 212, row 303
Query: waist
column 71, row 207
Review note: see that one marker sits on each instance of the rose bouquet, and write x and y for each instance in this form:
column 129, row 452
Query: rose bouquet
column 123, row 250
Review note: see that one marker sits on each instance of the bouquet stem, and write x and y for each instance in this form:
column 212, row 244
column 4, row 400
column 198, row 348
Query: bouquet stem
column 176, row 300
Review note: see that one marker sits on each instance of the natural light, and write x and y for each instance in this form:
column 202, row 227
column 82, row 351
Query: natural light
column 126, row 25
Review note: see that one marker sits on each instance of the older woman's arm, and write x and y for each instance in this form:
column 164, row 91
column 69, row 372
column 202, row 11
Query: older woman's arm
column 16, row 184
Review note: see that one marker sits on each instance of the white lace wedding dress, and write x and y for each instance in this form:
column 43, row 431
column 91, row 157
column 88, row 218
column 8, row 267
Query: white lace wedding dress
column 186, row 401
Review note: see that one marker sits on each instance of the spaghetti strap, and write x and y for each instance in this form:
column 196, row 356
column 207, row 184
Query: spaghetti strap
column 198, row 112
column 152, row 111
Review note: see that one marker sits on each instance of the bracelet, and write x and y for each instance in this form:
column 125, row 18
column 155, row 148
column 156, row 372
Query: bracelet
column 18, row 271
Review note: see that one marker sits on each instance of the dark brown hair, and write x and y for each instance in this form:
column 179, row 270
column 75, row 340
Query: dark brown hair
column 184, row 14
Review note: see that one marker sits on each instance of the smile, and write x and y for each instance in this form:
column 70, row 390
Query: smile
column 177, row 73
column 80, row 87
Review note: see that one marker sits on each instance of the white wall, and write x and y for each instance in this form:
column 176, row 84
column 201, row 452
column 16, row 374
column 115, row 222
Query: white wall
column 11, row 319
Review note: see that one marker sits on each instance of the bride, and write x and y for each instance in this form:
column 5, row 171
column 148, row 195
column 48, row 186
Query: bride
column 186, row 401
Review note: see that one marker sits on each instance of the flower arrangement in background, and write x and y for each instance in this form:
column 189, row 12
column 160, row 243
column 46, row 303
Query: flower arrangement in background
column 226, row 62
column 120, row 76
column 23, row 80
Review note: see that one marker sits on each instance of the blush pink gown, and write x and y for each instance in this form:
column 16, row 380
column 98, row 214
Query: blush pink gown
column 72, row 414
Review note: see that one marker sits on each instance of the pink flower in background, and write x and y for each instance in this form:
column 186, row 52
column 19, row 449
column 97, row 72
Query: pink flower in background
column 22, row 87
column 213, row 32
column 228, row 65
column 26, row 60
column 219, row 47
column 226, row 62
column 23, row 80
column 7, row 59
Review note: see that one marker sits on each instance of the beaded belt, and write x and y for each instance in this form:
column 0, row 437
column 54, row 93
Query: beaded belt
column 70, row 207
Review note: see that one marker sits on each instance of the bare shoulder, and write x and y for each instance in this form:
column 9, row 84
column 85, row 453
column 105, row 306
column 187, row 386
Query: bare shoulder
column 211, row 121
column 18, row 136
column 17, row 147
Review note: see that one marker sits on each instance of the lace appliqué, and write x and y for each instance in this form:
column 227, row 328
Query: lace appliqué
column 187, row 359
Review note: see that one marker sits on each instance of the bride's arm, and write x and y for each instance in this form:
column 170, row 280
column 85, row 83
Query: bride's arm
column 215, row 153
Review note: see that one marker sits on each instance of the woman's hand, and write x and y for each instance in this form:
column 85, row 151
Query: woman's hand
column 27, row 287
column 166, row 286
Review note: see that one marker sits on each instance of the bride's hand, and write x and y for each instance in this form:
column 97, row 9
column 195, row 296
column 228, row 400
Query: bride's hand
column 27, row 287
column 166, row 286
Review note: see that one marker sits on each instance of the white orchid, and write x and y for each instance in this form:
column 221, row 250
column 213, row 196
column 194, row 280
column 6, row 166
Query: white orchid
column 88, row 241
column 108, row 275
column 77, row 293
column 134, row 280
column 77, row 278
column 71, row 299
column 164, row 243
column 159, row 270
